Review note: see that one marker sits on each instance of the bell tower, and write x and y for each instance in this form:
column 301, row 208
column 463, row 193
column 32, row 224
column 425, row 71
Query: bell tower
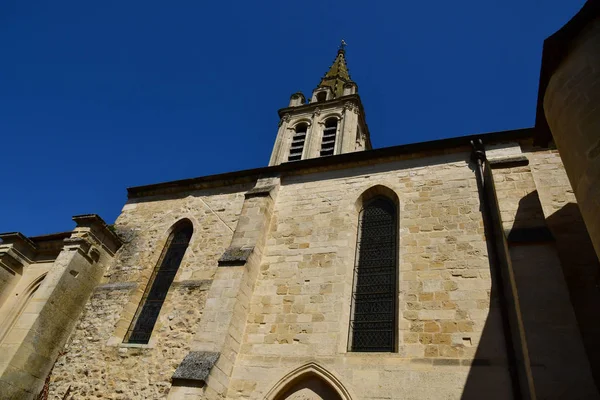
column 331, row 122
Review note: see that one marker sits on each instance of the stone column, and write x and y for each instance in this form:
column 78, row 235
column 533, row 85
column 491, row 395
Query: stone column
column 572, row 109
column 313, row 144
column 279, row 146
column 31, row 347
column 349, row 128
column 206, row 371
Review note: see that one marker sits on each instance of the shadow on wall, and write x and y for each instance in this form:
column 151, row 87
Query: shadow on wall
column 493, row 374
column 555, row 276
column 581, row 270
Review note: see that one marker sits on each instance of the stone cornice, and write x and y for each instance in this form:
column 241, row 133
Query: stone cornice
column 355, row 98
column 98, row 230
column 20, row 242
column 337, row 162
column 16, row 251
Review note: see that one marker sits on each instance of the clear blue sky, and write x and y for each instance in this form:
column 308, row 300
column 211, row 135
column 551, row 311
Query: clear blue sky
column 99, row 96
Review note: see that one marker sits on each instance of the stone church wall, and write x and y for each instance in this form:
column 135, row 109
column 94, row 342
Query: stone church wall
column 449, row 314
column 530, row 198
column 95, row 363
column 579, row 263
column 452, row 331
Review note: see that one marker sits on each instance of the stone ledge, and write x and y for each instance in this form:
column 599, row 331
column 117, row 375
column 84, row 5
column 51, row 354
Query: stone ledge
column 475, row 362
column 235, row 256
column 196, row 366
column 262, row 191
column 203, row 284
column 446, row 361
column 117, row 286
column 99, row 230
column 508, row 162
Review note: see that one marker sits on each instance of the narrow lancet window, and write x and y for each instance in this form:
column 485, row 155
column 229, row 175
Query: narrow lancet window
column 158, row 286
column 328, row 142
column 373, row 324
column 298, row 142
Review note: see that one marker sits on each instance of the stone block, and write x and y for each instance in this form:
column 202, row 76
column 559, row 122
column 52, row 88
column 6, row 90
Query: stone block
column 196, row 366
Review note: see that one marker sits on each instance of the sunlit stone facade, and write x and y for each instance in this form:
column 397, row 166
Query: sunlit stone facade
column 453, row 269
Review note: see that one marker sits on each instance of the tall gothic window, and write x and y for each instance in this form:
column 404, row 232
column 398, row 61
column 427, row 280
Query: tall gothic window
column 373, row 324
column 160, row 281
column 328, row 142
column 298, row 142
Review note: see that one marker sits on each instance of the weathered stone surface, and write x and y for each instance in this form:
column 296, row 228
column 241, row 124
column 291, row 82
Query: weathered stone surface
column 571, row 108
column 117, row 286
column 290, row 238
column 509, row 161
column 196, row 365
column 236, row 255
column 259, row 191
column 95, row 362
column 289, row 300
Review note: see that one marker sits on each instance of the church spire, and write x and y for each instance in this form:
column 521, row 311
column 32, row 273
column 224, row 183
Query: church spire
column 331, row 122
column 338, row 74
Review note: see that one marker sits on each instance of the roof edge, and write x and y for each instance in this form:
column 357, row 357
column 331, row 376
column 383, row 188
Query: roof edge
column 555, row 50
column 340, row 160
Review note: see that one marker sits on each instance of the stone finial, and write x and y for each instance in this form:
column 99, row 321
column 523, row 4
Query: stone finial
column 297, row 99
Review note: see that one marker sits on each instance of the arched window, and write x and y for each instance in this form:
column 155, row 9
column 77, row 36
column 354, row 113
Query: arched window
column 160, row 281
column 373, row 323
column 321, row 96
column 328, row 142
column 298, row 142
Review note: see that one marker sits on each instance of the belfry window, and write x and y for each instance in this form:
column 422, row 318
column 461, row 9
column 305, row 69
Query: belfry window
column 158, row 286
column 373, row 324
column 321, row 96
column 298, row 142
column 328, row 141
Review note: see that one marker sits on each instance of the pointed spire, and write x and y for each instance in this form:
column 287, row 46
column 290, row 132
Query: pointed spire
column 338, row 73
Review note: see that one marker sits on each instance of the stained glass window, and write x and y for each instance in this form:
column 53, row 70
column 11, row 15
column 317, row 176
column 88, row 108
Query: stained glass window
column 158, row 286
column 373, row 324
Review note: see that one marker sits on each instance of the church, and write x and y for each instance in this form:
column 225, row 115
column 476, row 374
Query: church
column 462, row 268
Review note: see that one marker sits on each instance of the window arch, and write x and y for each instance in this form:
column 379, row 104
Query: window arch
column 322, row 96
column 329, row 133
column 298, row 142
column 374, row 325
column 154, row 296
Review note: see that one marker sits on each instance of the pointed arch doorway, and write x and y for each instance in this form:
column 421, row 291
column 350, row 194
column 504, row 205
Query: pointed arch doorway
column 309, row 388
column 309, row 382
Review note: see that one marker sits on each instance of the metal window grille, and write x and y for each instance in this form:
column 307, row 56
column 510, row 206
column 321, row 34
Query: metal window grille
column 328, row 141
column 158, row 286
column 373, row 323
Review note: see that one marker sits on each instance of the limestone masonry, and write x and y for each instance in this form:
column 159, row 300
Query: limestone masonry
column 455, row 269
